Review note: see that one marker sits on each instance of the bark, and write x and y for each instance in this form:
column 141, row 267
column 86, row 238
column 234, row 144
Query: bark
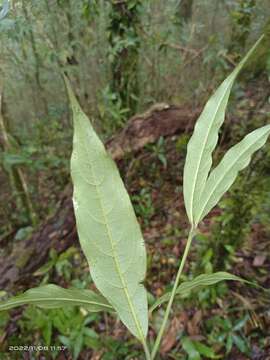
column 59, row 232
column 123, row 24
column 37, row 65
column 185, row 10
column 184, row 13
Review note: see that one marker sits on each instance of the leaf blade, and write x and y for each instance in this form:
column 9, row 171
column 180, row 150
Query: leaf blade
column 225, row 173
column 52, row 296
column 202, row 280
column 110, row 237
column 204, row 139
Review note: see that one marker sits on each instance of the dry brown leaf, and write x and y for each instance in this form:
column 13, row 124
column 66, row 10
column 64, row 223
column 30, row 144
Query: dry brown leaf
column 193, row 326
column 177, row 324
column 259, row 260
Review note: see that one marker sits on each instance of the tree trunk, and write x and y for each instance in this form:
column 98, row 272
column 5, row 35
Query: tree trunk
column 124, row 19
column 184, row 13
column 242, row 19
column 185, row 10
column 36, row 56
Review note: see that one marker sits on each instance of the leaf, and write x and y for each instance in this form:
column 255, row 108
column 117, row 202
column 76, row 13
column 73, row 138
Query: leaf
column 108, row 230
column 204, row 139
column 200, row 281
column 205, row 350
column 223, row 176
column 190, row 349
column 240, row 343
column 52, row 296
column 4, row 8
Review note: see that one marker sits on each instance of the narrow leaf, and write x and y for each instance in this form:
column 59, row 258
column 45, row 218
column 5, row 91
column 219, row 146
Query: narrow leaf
column 205, row 350
column 223, row 176
column 200, row 281
column 107, row 226
column 204, row 140
column 52, row 296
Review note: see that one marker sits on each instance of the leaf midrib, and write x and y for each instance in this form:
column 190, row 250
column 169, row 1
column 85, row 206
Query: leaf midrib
column 115, row 258
column 200, row 158
column 17, row 302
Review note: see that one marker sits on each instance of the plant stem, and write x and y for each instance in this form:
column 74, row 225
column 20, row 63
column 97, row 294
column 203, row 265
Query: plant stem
column 173, row 293
column 146, row 350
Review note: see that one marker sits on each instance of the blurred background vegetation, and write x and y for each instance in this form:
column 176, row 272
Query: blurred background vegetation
column 124, row 57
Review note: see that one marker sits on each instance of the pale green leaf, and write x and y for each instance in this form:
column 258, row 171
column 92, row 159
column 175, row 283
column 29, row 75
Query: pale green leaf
column 4, row 8
column 204, row 139
column 236, row 159
column 108, row 230
column 200, row 281
column 52, row 296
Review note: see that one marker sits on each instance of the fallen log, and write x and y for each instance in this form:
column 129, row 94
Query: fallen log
column 59, row 231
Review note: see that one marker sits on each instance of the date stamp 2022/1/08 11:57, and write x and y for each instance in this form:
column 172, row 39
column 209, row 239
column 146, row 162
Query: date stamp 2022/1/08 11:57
column 37, row 348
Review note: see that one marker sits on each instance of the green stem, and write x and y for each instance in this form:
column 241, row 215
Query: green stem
column 146, row 350
column 173, row 293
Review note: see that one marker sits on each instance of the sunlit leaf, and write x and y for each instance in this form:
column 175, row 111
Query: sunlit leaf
column 108, row 229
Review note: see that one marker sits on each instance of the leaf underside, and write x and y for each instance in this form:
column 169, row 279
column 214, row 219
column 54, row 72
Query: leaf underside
column 52, row 296
column 196, row 284
column 107, row 226
column 203, row 142
column 223, row 176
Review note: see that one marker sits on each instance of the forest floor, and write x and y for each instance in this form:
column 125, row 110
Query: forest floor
column 230, row 321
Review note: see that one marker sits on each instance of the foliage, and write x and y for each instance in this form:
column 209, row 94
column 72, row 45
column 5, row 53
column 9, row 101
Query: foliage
column 94, row 178
column 227, row 333
column 195, row 349
column 201, row 192
column 4, row 9
column 104, row 213
column 201, row 281
column 242, row 17
column 143, row 205
column 92, row 40
column 71, row 325
column 124, row 50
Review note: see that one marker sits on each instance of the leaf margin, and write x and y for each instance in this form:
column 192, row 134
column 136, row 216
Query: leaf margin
column 194, row 182
column 195, row 284
column 212, row 183
column 89, row 299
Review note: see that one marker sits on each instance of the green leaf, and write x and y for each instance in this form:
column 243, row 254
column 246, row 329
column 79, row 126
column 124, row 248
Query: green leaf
column 190, row 349
column 4, row 8
column 108, row 230
column 205, row 350
column 223, row 176
column 229, row 344
column 78, row 345
column 200, row 281
column 204, row 139
column 240, row 343
column 52, row 296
